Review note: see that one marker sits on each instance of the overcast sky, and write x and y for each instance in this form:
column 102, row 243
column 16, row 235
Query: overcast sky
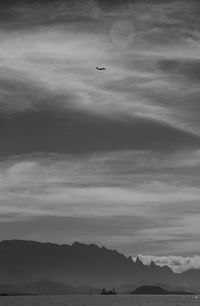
column 110, row 157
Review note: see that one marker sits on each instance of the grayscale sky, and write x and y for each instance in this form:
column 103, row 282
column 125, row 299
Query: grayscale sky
column 110, row 157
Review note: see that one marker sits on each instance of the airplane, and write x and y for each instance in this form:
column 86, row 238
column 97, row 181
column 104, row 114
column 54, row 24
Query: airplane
column 100, row 68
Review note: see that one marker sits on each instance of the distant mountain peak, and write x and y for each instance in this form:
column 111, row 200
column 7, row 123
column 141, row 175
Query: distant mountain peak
column 138, row 261
column 77, row 244
column 152, row 264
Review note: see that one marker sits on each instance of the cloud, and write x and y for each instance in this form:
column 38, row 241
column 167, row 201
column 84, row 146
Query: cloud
column 24, row 12
column 177, row 263
column 55, row 91
column 148, row 197
column 122, row 144
column 50, row 61
column 51, row 130
column 65, row 229
column 46, row 60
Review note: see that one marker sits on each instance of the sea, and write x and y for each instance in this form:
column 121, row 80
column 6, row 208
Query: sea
column 97, row 300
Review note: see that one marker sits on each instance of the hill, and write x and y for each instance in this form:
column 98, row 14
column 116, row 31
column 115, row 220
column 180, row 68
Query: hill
column 155, row 290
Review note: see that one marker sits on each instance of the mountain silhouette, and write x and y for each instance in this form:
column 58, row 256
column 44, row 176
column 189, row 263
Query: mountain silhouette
column 81, row 265
column 45, row 287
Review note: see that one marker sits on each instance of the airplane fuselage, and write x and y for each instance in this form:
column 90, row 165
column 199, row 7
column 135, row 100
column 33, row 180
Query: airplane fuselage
column 100, row 68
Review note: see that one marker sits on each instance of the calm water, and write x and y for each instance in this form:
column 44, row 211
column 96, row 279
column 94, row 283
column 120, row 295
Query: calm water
column 123, row 300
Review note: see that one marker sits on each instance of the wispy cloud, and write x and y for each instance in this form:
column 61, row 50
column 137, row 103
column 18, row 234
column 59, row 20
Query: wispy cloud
column 53, row 86
column 135, row 83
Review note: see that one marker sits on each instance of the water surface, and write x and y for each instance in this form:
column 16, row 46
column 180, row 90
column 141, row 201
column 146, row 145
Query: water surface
column 97, row 300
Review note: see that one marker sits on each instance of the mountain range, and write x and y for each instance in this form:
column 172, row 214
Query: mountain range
column 33, row 267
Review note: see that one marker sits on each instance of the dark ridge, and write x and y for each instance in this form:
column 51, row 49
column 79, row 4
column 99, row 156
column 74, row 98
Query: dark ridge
column 82, row 265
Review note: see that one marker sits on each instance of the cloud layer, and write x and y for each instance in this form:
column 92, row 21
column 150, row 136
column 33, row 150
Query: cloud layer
column 142, row 202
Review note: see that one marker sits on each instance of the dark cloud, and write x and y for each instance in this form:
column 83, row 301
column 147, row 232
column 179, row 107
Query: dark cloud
column 185, row 69
column 47, row 130
column 69, row 229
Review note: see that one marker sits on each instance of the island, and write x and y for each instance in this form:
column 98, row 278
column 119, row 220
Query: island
column 156, row 290
column 108, row 292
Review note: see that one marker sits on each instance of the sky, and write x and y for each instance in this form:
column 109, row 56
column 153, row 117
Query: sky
column 108, row 157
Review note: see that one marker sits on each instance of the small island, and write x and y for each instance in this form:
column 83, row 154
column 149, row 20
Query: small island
column 108, row 292
column 156, row 290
